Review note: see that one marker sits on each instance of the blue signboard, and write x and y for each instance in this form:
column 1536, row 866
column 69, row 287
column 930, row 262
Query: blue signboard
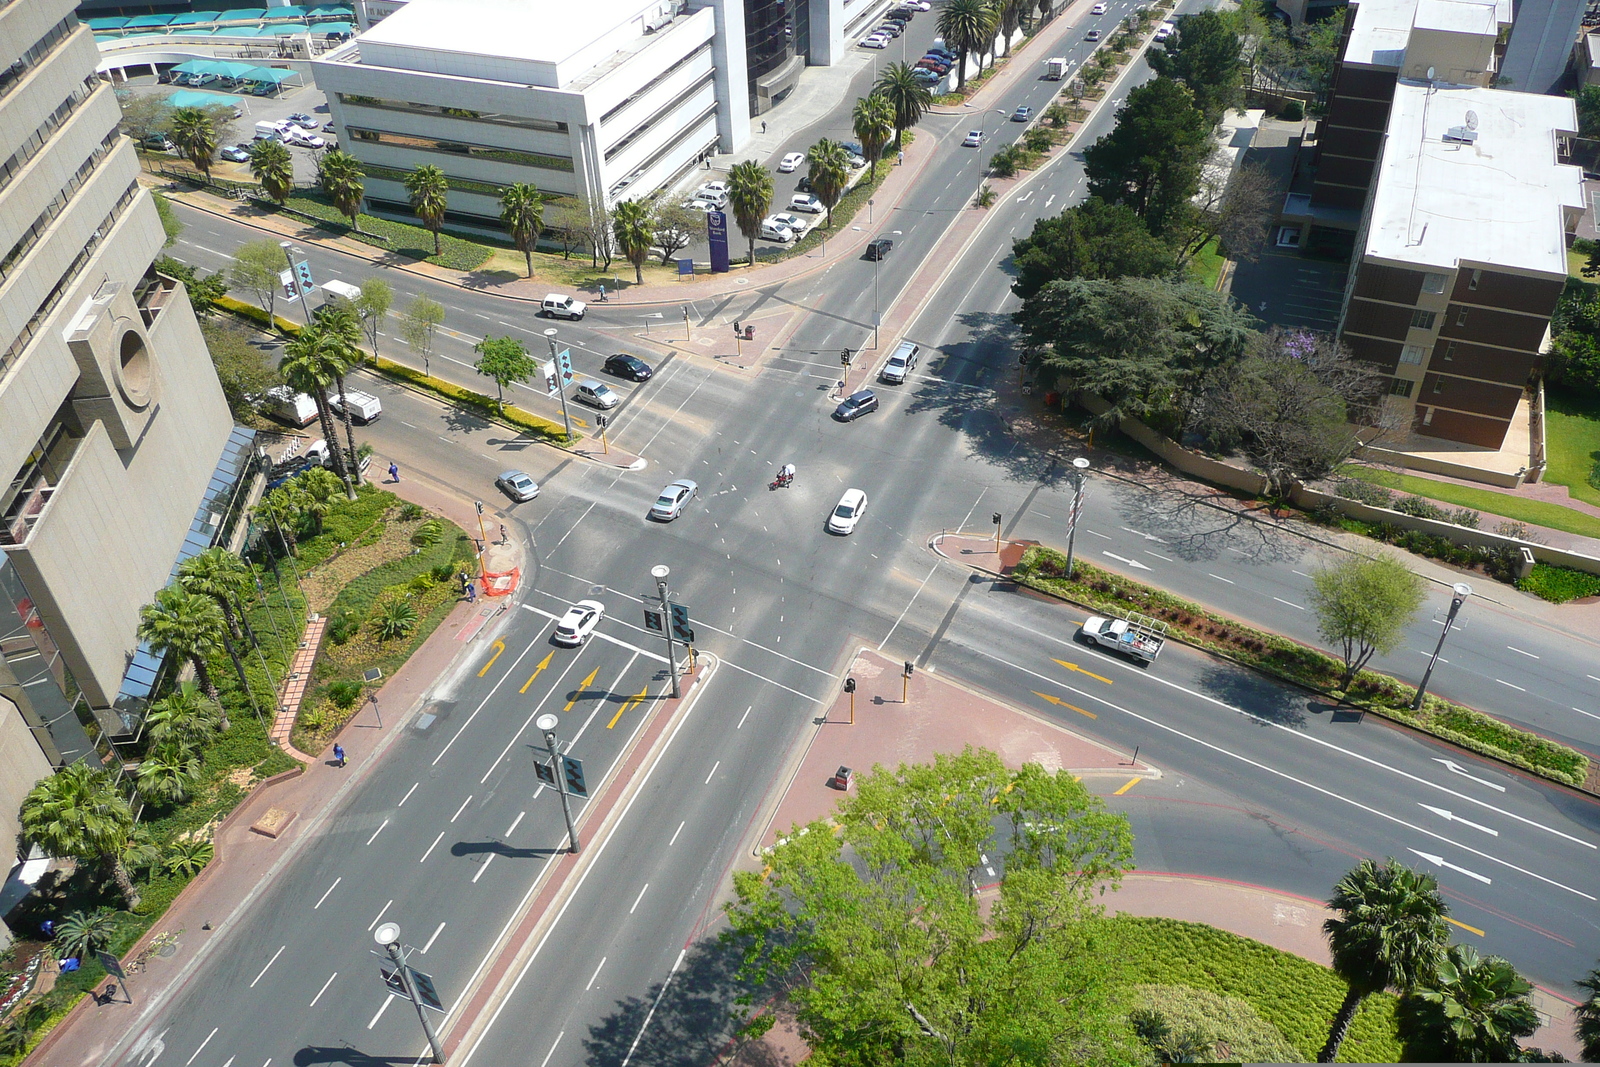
column 717, row 230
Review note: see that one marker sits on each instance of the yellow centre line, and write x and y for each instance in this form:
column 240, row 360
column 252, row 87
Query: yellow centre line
column 499, row 647
column 1129, row 784
column 629, row 705
column 536, row 672
column 581, row 687
column 1464, row 926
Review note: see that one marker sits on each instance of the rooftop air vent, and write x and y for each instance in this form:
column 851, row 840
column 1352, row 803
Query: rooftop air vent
column 1460, row 135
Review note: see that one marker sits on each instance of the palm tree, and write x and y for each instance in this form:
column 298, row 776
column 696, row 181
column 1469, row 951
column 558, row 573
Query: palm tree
column 166, row 777
column 630, row 222
column 340, row 343
column 81, row 934
column 909, row 98
column 192, row 131
column 1473, row 1011
column 872, row 119
column 522, row 212
column 318, row 490
column 280, row 511
column 182, row 719
column 188, row 626
column 828, row 168
column 222, row 576
column 429, row 192
column 750, row 196
column 273, row 167
column 307, row 369
column 1390, row 931
column 339, row 174
column 78, row 814
column 1587, row 1017
column 1010, row 18
column 967, row 26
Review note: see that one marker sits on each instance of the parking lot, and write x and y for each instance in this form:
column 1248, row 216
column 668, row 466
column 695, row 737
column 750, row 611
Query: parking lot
column 307, row 100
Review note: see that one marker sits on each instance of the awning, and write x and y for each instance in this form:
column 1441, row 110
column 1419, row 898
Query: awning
column 106, row 24
column 333, row 11
column 283, row 29
column 288, row 11
column 333, row 29
column 270, row 75
column 189, row 98
column 243, row 14
column 148, row 20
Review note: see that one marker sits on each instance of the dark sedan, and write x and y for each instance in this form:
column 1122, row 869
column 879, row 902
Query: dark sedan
column 879, row 248
column 632, row 368
column 856, row 405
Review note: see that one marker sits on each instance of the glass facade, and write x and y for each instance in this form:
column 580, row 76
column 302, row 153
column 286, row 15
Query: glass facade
column 30, row 657
column 774, row 32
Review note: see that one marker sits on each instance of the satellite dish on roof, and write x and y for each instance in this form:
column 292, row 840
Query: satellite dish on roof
column 1472, row 120
column 1430, row 74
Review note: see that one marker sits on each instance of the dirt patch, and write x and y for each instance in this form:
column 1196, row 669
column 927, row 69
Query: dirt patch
column 323, row 584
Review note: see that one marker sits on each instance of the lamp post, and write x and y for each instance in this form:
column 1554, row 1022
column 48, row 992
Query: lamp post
column 546, row 724
column 305, row 298
column 388, row 936
column 1079, row 465
column 1461, row 590
column 659, row 573
column 561, row 386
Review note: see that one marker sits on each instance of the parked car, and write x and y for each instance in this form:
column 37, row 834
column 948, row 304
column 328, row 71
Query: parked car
column 578, row 623
column 876, row 40
column 791, row 162
column 675, row 496
column 1164, row 31
column 714, row 188
column 1092, row 35
column 879, row 248
column 888, row 29
column 940, row 50
column 302, row 139
column 712, row 197
column 597, row 394
column 805, row 202
column 804, row 184
column 935, row 63
column 794, row 222
column 919, row 5
column 774, row 231
column 856, row 405
column 304, row 121
column 557, row 306
column 630, row 367
column 973, row 139
column 1022, row 114
column 847, row 512
column 1098, row 9
column 518, row 486
column 234, row 154
column 159, row 143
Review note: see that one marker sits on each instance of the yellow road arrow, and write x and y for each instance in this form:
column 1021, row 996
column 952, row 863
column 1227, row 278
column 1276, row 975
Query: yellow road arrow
column 499, row 647
column 536, row 672
column 581, row 687
column 628, row 705
column 1080, row 670
column 1062, row 703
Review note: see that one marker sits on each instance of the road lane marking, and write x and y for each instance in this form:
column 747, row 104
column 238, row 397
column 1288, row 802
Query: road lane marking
column 907, row 608
column 431, row 847
column 1129, row 784
column 1455, row 768
column 536, row 672
column 1425, row 652
column 432, row 939
column 546, row 1061
column 1097, row 533
column 633, row 702
column 378, row 831
column 583, row 687
column 378, row 916
column 1591, row 714
column 714, row 767
column 213, row 1034
column 1530, row 655
column 499, row 647
column 270, row 962
column 381, row 1009
column 1449, row 816
column 407, row 797
column 525, row 722
column 633, row 1047
column 1440, row 861
column 639, row 897
column 515, row 823
column 481, row 704
column 1220, row 578
column 1302, row 574
column 595, row 975
column 1464, row 926
column 603, row 636
column 769, row 681
column 462, row 808
column 1080, row 670
column 1062, row 703
column 324, row 896
column 1508, row 685
column 676, row 832
column 1157, row 555
column 1297, row 607
column 1124, row 559
column 612, row 688
column 746, row 715
column 321, row 991
column 485, row 867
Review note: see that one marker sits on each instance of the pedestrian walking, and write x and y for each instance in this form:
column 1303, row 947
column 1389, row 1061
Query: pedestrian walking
column 763, row 126
column 502, row 533
column 472, row 593
column 338, row 753
column 899, row 157
column 602, row 294
column 394, row 473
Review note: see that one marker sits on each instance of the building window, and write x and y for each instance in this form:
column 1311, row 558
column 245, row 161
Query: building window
column 1412, row 354
column 523, row 122
column 1433, row 283
column 666, row 110
column 461, row 148
column 1450, row 352
column 13, row 74
column 1427, row 416
column 1461, row 317
column 657, row 80
column 1477, row 276
column 1400, row 387
column 1438, row 385
column 1422, row 320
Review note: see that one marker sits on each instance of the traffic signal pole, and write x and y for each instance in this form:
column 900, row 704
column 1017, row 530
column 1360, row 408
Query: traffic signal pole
column 546, row 724
column 659, row 573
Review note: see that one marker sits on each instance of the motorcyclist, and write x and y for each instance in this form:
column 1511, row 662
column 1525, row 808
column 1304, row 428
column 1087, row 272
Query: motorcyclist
column 786, row 474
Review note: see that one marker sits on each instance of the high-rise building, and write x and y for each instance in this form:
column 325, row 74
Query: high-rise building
column 118, row 453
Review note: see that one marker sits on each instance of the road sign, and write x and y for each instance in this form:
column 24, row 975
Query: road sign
column 680, row 623
column 544, row 773
column 652, row 622
column 112, row 965
column 549, row 372
column 423, row 984
column 575, row 782
column 302, row 273
column 564, row 358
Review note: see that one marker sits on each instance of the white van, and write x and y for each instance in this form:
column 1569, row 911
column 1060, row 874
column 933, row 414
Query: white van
column 342, row 290
column 286, row 405
column 270, row 131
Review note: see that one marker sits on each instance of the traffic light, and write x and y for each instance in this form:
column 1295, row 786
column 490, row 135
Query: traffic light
column 737, row 330
column 844, row 356
column 911, row 668
column 849, row 685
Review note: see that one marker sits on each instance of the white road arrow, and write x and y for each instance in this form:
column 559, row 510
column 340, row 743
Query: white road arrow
column 1146, row 536
column 1439, row 861
column 1450, row 816
column 1123, row 559
column 1455, row 768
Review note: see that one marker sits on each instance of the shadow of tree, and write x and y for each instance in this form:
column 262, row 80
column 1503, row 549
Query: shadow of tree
column 463, row 420
column 1265, row 699
column 1196, row 522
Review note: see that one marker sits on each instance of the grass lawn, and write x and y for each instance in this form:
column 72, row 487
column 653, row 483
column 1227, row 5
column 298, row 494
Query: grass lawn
column 1532, row 512
column 1572, row 432
column 1575, row 263
column 1206, row 266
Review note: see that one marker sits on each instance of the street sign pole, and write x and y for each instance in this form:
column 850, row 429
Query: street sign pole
column 546, row 724
column 305, row 297
column 561, row 385
column 659, row 573
column 388, row 935
column 1079, row 465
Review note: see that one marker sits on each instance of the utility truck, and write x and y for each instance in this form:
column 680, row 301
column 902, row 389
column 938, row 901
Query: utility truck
column 1055, row 68
column 1138, row 636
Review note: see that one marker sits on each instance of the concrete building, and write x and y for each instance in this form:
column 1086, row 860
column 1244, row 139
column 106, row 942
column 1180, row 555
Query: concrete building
column 1540, row 44
column 1462, row 253
column 112, row 423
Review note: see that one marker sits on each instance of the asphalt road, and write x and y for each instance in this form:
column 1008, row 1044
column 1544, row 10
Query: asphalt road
column 449, row 833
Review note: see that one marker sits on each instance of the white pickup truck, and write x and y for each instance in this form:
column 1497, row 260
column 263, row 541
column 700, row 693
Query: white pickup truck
column 1138, row 636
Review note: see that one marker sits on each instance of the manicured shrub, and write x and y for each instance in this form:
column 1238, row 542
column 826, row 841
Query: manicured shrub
column 1364, row 491
column 1559, row 584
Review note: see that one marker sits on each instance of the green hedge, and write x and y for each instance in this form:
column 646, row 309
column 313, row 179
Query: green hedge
column 486, row 405
column 1559, row 584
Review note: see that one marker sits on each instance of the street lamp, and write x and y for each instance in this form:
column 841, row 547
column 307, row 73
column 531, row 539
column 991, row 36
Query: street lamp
column 546, row 724
column 388, row 936
column 1079, row 465
column 659, row 573
column 1462, row 590
column 305, row 297
column 561, row 386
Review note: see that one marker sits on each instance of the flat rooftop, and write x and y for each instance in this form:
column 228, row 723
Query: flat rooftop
column 526, row 31
column 1500, row 200
column 1382, row 27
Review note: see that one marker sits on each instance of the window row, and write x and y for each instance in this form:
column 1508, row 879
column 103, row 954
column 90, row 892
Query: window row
column 10, row 76
column 417, row 142
column 520, row 121
column 1424, row 320
column 661, row 113
column 38, row 138
column 657, row 80
column 31, row 235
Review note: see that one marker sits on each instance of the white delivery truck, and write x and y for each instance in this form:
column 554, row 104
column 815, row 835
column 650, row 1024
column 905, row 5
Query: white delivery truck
column 286, row 405
column 269, row 131
column 343, row 290
column 364, row 407
column 1138, row 636
column 1055, row 68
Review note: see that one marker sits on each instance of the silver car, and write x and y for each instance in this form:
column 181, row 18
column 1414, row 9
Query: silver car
column 518, row 486
column 673, row 499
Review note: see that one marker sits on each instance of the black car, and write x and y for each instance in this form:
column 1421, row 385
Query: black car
column 630, row 367
column 879, row 248
column 805, row 184
column 856, row 405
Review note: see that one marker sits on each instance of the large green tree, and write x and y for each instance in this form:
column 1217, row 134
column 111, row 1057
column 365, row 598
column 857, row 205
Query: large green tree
column 872, row 120
column 505, row 361
column 430, row 194
column 257, row 269
column 828, row 168
column 1206, row 55
column 224, row 577
column 337, row 331
column 188, row 626
column 273, row 167
column 871, row 929
column 1151, row 160
column 1388, row 931
column 340, row 176
column 630, row 225
column 419, row 322
column 193, row 132
column 968, row 26
column 77, row 813
column 183, row 720
column 1092, row 240
column 1588, row 100
column 907, row 96
column 522, row 214
column 1473, row 1010
column 311, row 365
column 1363, row 606
column 750, row 190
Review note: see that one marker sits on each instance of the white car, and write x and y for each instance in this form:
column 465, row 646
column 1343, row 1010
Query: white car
column 296, row 136
column 794, row 222
column 805, row 202
column 578, row 623
column 847, row 512
column 917, row 5
column 1164, row 31
column 1098, row 9
column 973, row 139
column 717, row 200
column 876, row 40
column 775, row 231
column 791, row 162
column 715, row 189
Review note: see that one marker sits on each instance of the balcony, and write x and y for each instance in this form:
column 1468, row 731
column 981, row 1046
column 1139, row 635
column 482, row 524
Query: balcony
column 154, row 293
column 28, row 496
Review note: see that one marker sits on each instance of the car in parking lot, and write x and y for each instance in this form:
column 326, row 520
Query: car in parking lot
column 301, row 138
column 597, row 394
column 879, row 248
column 574, row 628
column 234, row 154
column 675, row 496
column 1022, row 114
column 714, row 189
column 630, row 367
column 876, row 40
column 805, row 202
column 936, row 63
column 973, row 139
column 888, row 29
column 794, row 222
column 945, row 53
column 1092, row 35
column 517, row 485
column 926, row 77
column 847, row 512
column 856, row 405
column 775, row 231
column 304, row 121
column 791, row 162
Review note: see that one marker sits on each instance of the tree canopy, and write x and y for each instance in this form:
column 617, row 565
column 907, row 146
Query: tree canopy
column 1206, row 55
column 1151, row 159
column 1092, row 240
column 1364, row 606
column 506, row 361
column 876, row 938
